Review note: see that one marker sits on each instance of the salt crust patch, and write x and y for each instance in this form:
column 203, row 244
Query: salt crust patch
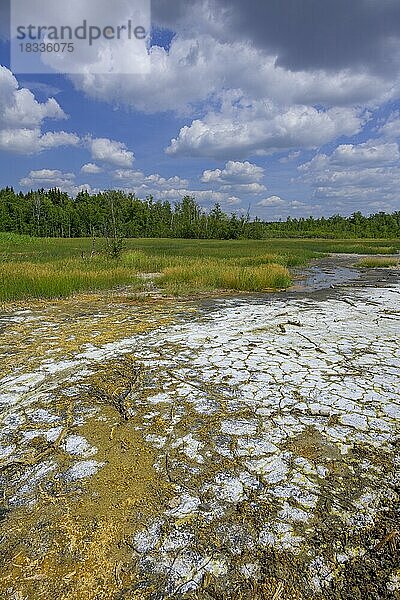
column 338, row 378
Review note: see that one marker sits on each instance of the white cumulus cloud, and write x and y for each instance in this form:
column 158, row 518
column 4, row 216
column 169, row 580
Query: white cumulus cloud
column 356, row 177
column 91, row 169
column 234, row 172
column 272, row 201
column 22, row 118
column 247, row 128
column 110, row 151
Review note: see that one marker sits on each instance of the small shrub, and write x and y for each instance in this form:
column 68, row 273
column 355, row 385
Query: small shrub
column 113, row 247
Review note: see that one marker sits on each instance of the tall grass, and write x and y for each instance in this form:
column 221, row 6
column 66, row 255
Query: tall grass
column 147, row 263
column 52, row 268
column 222, row 275
column 59, row 279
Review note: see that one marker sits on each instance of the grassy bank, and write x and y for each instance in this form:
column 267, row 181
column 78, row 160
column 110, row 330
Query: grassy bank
column 51, row 267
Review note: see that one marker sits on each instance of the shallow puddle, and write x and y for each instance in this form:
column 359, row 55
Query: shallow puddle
column 230, row 448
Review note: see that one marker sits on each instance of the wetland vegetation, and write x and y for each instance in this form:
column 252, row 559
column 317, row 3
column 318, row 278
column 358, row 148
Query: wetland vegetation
column 379, row 262
column 33, row 267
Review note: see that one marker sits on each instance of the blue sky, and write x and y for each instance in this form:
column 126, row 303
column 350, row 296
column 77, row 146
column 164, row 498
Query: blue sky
column 243, row 105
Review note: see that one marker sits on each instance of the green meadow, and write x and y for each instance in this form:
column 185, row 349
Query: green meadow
column 33, row 267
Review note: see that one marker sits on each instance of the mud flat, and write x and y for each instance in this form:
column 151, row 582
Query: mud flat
column 231, row 448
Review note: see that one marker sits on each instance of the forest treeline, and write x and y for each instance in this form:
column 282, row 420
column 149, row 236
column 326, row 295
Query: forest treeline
column 52, row 213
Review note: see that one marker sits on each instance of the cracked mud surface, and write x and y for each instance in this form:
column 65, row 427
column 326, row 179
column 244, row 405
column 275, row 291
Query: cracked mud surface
column 230, row 448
